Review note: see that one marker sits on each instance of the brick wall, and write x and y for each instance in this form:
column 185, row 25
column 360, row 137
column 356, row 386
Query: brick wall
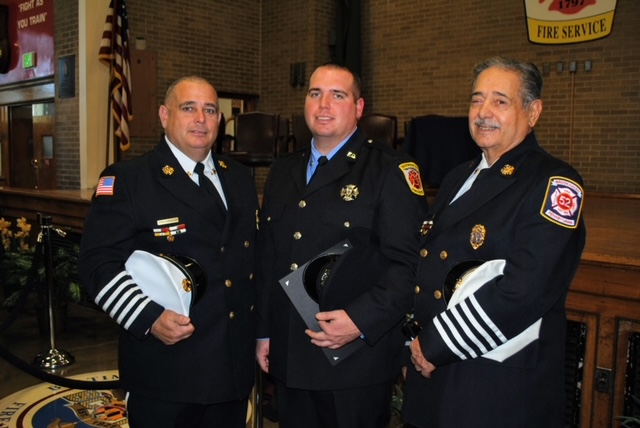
column 218, row 40
column 417, row 59
column 293, row 31
column 67, row 109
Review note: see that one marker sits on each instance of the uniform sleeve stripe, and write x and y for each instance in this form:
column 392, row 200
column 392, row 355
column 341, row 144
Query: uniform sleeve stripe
column 472, row 320
column 465, row 326
column 131, row 297
column 486, row 320
column 131, row 316
column 456, row 333
column 487, row 331
column 108, row 289
column 118, row 298
column 122, row 299
column 447, row 341
column 467, row 330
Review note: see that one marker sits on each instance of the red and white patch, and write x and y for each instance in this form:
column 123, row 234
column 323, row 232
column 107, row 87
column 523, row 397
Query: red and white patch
column 563, row 202
column 412, row 175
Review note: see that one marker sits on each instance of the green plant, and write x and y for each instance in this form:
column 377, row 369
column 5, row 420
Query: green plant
column 631, row 421
column 16, row 260
column 397, row 397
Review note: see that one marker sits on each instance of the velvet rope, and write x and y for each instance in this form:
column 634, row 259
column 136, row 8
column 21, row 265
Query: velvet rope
column 28, row 368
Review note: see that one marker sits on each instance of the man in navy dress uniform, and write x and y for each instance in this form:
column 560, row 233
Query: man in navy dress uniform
column 180, row 370
column 495, row 358
column 371, row 195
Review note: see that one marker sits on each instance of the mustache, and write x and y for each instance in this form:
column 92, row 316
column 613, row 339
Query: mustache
column 486, row 123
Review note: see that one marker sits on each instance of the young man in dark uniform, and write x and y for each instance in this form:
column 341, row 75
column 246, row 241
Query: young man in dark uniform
column 179, row 370
column 344, row 187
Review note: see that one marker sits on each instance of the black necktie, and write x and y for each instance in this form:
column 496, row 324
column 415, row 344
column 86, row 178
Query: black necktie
column 321, row 161
column 206, row 184
column 480, row 175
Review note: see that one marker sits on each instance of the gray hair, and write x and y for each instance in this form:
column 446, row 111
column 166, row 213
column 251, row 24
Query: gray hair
column 530, row 76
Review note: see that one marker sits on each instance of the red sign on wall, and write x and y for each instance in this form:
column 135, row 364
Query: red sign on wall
column 29, row 29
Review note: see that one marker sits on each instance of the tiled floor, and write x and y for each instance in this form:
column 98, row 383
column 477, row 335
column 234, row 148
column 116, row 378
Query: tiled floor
column 90, row 337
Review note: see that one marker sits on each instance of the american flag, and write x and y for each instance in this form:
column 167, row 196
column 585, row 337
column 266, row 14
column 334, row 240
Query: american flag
column 105, row 186
column 114, row 52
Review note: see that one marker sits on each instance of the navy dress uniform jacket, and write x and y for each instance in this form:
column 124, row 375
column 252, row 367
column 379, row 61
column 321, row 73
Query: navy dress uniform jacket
column 156, row 207
column 298, row 222
column 518, row 205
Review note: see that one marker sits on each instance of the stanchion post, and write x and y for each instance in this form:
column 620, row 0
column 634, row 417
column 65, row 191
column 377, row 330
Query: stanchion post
column 53, row 358
column 258, row 398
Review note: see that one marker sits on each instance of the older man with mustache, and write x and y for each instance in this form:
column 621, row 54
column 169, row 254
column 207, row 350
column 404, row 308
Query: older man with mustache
column 492, row 354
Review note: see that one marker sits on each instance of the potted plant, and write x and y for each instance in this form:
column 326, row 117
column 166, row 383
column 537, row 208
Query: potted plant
column 17, row 255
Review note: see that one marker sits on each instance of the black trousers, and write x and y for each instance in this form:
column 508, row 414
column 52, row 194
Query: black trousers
column 143, row 412
column 367, row 407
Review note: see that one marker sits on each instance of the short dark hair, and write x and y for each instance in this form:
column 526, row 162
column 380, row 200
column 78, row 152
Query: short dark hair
column 530, row 76
column 357, row 82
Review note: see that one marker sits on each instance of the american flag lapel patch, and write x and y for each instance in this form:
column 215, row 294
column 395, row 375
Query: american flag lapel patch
column 105, row 186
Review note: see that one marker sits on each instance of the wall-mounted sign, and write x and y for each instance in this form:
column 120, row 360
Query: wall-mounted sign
column 568, row 21
column 29, row 28
column 67, row 76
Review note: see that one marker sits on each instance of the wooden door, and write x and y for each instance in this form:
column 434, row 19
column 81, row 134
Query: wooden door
column 21, row 172
column 44, row 161
column 31, row 146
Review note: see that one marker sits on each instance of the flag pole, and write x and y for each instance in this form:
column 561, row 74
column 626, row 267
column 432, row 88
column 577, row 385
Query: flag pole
column 108, row 145
column 114, row 49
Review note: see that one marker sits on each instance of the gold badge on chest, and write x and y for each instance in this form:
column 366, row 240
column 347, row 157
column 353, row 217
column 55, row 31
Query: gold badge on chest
column 349, row 192
column 478, row 236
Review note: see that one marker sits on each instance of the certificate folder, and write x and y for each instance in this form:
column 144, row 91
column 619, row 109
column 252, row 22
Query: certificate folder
column 294, row 285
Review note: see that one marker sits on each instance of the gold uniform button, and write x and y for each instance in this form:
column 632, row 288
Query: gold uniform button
column 269, row 218
column 417, row 289
column 232, row 315
column 437, row 294
column 250, row 276
column 246, row 244
column 424, row 252
column 252, row 308
column 227, row 283
column 444, row 255
column 347, row 224
column 171, row 238
column 222, row 249
column 294, row 266
column 302, row 204
column 297, row 235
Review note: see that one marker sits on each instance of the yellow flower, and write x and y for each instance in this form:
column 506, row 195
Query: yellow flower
column 23, row 225
column 5, row 233
column 20, row 238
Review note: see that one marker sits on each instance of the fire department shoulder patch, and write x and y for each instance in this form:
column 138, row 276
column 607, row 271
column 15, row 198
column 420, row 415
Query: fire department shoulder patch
column 563, row 202
column 412, row 175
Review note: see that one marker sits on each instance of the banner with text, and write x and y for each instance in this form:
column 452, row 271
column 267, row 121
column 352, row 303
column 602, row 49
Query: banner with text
column 568, row 21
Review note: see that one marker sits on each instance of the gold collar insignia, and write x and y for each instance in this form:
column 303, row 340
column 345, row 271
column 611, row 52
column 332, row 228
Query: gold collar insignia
column 507, row 170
